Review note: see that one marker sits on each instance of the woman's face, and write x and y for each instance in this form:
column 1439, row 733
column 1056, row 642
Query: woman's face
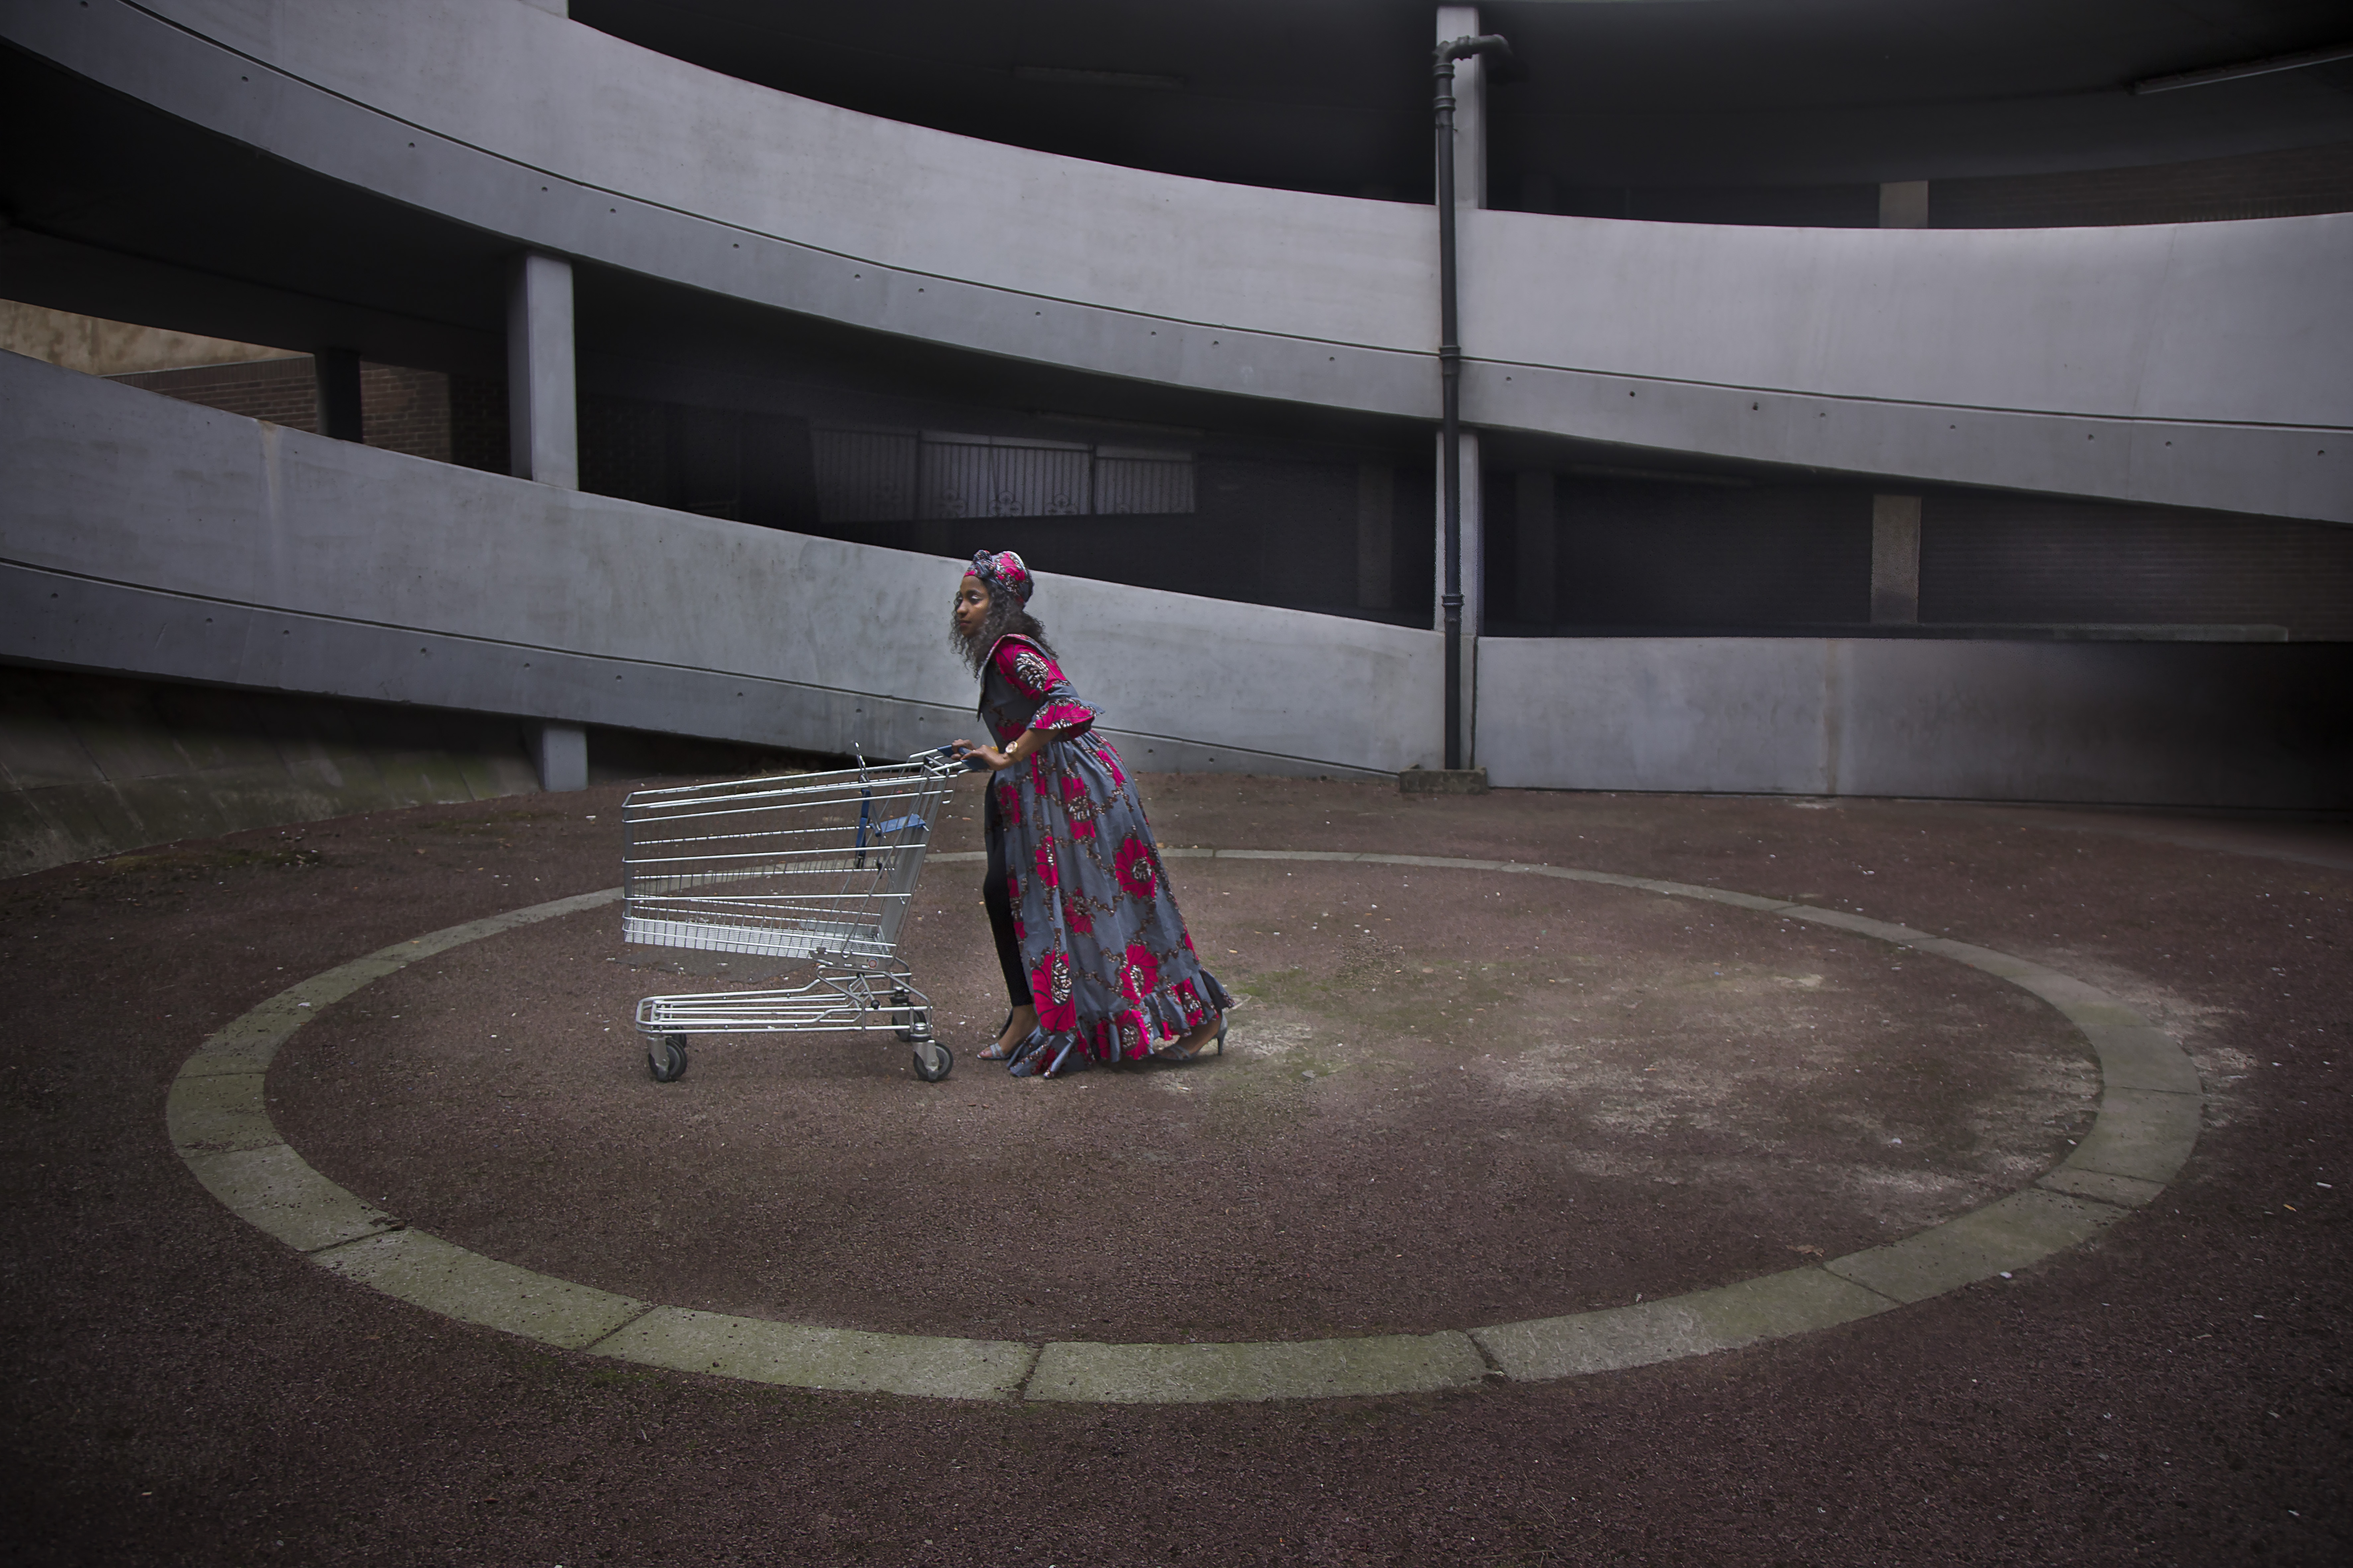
column 971, row 605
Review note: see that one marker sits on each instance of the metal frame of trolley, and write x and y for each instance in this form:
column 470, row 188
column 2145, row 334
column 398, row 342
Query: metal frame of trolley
column 813, row 867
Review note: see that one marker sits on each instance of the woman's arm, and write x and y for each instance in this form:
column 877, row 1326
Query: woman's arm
column 1025, row 745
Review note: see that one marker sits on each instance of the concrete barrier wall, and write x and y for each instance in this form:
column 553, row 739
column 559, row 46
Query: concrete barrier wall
column 2188, row 364
column 2199, row 724
column 143, row 535
column 93, row 765
column 2198, row 364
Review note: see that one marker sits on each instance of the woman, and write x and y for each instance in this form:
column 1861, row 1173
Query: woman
column 1096, row 958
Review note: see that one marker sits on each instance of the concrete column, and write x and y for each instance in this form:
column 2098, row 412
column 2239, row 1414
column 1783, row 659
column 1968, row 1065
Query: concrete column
column 1470, row 107
column 1376, row 535
column 1903, row 203
column 1895, row 559
column 337, row 372
column 543, row 409
column 1535, row 535
column 560, row 752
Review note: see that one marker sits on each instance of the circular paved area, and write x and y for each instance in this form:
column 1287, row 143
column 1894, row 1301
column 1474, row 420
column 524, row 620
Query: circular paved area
column 1696, row 1067
column 186, row 1388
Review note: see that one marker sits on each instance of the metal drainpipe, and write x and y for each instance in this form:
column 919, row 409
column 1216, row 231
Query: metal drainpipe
column 1450, row 371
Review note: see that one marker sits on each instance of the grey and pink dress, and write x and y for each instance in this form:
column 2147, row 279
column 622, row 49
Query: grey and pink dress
column 1084, row 921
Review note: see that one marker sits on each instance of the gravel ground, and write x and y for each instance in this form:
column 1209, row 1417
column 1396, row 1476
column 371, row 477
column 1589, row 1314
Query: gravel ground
column 1526, row 1098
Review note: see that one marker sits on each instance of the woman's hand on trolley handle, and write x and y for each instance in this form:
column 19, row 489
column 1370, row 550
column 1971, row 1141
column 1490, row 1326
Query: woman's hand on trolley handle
column 996, row 760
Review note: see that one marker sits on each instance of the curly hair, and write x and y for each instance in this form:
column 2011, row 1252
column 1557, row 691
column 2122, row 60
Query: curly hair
column 1007, row 618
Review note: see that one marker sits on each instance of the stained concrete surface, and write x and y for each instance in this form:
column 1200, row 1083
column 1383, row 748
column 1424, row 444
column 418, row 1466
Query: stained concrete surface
column 2170, row 1391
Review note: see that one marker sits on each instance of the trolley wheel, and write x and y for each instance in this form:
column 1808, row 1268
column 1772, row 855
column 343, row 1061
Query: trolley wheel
column 941, row 1064
column 904, row 1004
column 665, row 1058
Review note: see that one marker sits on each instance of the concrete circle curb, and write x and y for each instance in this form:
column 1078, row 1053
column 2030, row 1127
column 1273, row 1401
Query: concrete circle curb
column 2151, row 1105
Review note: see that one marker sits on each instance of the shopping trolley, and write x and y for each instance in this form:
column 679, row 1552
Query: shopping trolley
column 815, row 866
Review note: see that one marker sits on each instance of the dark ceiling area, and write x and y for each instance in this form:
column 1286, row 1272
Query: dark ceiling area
column 1333, row 95
column 117, row 209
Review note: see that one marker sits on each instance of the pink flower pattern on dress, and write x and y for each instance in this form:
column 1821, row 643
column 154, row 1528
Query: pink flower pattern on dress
column 1134, row 867
column 1135, row 1033
column 1061, row 716
column 1140, row 975
column 1050, row 989
column 1111, row 968
column 1079, row 807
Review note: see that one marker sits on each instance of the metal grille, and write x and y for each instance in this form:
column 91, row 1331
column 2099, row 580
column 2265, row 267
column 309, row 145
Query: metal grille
column 864, row 476
column 898, row 476
column 969, row 479
column 1128, row 484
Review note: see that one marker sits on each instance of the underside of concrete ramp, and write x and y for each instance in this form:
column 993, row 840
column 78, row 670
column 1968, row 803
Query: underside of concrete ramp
column 2187, row 364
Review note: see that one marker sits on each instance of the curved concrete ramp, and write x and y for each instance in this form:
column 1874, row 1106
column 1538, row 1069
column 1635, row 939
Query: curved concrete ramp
column 2195, row 364
column 148, row 536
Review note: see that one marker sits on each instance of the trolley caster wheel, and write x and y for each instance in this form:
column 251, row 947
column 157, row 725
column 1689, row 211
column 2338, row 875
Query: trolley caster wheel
column 943, row 1063
column 665, row 1058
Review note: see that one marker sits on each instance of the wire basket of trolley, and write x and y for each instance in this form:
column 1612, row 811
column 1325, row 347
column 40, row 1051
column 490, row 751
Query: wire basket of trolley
column 807, row 868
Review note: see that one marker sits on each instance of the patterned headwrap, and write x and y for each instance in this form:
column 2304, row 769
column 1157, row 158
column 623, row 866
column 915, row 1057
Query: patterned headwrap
column 1001, row 569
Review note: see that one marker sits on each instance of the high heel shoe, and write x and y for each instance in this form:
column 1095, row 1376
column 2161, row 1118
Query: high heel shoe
column 1172, row 1053
column 996, row 1050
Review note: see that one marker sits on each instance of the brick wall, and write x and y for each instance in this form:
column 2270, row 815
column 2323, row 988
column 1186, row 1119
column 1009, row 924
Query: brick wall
column 477, row 422
column 1780, row 206
column 405, row 410
column 401, row 409
column 1291, row 529
column 282, row 391
column 624, row 449
column 2025, row 559
column 1636, row 554
column 2254, row 184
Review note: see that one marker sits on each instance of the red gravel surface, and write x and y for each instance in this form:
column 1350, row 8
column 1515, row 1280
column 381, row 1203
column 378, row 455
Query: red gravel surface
column 183, row 1389
column 1536, row 1097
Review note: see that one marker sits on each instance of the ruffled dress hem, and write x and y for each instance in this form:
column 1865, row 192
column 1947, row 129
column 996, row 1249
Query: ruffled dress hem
column 1132, row 1034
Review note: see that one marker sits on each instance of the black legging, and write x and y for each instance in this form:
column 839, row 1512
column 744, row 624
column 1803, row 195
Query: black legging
column 1000, row 906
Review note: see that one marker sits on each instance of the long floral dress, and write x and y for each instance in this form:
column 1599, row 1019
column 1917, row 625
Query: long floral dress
column 1111, row 968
